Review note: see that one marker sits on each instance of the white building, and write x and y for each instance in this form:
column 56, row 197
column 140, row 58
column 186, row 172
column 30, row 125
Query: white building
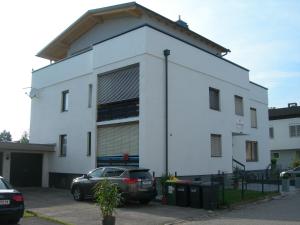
column 285, row 134
column 106, row 99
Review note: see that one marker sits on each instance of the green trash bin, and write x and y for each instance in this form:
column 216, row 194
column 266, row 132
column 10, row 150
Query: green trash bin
column 171, row 192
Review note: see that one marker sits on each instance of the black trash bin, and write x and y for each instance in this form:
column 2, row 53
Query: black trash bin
column 210, row 195
column 183, row 193
column 196, row 195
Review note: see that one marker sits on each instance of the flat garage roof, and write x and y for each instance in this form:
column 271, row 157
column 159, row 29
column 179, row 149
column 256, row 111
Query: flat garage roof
column 39, row 148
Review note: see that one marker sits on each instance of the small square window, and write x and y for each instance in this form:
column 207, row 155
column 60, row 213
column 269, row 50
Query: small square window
column 239, row 108
column 216, row 145
column 251, row 151
column 253, row 118
column 214, row 99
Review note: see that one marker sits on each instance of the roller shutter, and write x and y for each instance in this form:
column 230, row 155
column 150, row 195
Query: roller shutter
column 118, row 85
column 118, row 139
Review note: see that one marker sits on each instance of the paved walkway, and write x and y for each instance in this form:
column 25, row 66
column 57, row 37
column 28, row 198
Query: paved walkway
column 279, row 211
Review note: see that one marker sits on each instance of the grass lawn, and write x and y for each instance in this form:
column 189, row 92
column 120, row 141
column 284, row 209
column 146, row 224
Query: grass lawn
column 233, row 196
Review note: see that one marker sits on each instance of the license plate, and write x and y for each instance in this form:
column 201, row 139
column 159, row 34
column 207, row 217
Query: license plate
column 4, row 202
column 148, row 182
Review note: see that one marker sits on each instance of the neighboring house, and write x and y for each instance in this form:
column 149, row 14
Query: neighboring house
column 284, row 130
column 106, row 99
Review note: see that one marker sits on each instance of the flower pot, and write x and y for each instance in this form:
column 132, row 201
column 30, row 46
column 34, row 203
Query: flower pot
column 285, row 185
column 109, row 220
column 297, row 182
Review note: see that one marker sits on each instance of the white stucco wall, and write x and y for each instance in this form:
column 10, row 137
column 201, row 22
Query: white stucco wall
column 282, row 139
column 191, row 73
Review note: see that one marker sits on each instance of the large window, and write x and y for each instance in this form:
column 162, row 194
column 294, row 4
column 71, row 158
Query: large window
column 214, row 99
column 294, row 130
column 89, row 143
column 216, row 145
column 251, row 151
column 253, row 117
column 271, row 132
column 65, row 101
column 118, row 110
column 239, row 108
column 63, row 145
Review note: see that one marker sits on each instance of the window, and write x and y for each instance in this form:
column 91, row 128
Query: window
column 113, row 172
column 295, row 131
column 96, row 173
column 271, row 132
column 90, row 95
column 251, row 151
column 63, row 144
column 214, row 99
column 216, row 145
column 239, row 109
column 65, row 101
column 89, row 143
column 275, row 155
column 253, row 117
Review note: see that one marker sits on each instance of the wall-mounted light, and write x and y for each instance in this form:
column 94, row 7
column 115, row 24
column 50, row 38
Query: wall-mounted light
column 7, row 156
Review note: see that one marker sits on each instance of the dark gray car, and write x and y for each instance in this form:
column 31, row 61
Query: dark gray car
column 134, row 183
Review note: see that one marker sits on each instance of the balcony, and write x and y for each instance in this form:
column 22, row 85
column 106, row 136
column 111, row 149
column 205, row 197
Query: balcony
column 118, row 110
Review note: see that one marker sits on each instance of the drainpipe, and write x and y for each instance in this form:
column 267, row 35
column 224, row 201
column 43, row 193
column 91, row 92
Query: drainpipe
column 166, row 54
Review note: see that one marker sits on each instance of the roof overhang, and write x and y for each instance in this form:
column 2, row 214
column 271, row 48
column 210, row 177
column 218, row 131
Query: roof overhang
column 58, row 48
column 39, row 148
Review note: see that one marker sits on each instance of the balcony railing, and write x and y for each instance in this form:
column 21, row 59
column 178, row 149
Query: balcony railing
column 118, row 110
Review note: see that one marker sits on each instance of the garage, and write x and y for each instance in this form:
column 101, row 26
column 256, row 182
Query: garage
column 26, row 169
column 25, row 165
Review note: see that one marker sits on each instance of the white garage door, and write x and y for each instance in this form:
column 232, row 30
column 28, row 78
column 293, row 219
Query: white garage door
column 118, row 139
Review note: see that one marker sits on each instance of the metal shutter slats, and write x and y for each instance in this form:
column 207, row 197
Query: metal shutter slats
column 118, row 139
column 118, row 85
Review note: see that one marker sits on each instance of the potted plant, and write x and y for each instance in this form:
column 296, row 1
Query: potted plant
column 108, row 197
column 286, row 182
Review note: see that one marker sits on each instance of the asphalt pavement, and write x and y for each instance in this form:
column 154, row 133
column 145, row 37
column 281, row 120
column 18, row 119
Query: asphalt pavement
column 283, row 210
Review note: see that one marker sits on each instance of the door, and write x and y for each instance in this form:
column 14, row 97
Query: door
column 26, row 169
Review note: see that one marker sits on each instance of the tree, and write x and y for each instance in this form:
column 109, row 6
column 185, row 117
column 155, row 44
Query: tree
column 5, row 136
column 25, row 138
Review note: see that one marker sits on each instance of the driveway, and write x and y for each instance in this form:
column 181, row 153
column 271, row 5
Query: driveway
column 59, row 204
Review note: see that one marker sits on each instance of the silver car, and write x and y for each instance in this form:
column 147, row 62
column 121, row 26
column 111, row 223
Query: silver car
column 291, row 172
column 134, row 183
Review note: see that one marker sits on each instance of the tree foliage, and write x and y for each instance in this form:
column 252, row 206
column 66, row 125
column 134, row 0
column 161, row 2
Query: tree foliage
column 5, row 136
column 25, row 138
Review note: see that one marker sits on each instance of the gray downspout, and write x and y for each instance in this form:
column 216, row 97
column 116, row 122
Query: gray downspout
column 166, row 54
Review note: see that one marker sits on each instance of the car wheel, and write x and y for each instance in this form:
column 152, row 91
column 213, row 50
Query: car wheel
column 14, row 221
column 145, row 201
column 77, row 194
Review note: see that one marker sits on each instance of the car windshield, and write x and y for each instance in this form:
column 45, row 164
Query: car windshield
column 4, row 185
column 96, row 173
column 140, row 174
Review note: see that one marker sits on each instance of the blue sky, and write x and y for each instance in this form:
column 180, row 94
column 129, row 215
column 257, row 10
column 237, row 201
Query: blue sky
column 263, row 36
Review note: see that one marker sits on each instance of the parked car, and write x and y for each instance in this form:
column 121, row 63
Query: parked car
column 134, row 183
column 11, row 203
column 291, row 172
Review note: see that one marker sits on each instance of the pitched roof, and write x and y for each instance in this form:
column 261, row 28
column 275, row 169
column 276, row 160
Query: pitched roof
column 284, row 113
column 58, row 48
